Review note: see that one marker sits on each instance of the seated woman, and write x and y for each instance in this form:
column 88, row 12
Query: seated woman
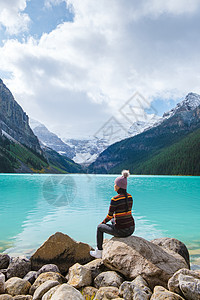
column 122, row 225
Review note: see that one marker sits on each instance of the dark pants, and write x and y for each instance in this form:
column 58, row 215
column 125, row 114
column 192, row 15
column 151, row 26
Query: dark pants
column 111, row 229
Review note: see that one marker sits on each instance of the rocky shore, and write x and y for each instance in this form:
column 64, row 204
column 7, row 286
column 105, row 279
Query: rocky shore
column 131, row 268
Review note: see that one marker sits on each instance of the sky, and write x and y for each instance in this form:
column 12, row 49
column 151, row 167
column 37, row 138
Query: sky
column 74, row 64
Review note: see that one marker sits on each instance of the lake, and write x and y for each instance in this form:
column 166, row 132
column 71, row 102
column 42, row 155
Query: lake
column 33, row 207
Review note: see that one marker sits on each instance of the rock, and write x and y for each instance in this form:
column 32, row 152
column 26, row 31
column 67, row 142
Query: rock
column 105, row 293
column 109, row 278
column 31, row 276
column 62, row 251
column 49, row 294
column 17, row 286
column 160, row 293
column 190, row 287
column 6, row 297
column 43, row 288
column 44, row 277
column 65, row 291
column 174, row 245
column 23, row 297
column 136, row 289
column 48, row 268
column 4, row 271
column 89, row 292
column 174, row 282
column 4, row 260
column 2, row 283
column 18, row 267
column 133, row 256
column 96, row 267
column 79, row 276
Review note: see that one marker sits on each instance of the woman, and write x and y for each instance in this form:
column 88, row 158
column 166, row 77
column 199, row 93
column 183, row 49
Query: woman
column 122, row 225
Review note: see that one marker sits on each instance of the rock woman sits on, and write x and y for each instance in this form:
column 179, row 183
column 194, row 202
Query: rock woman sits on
column 122, row 222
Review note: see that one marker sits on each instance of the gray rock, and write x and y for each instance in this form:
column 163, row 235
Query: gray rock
column 48, row 268
column 2, row 283
column 174, row 245
column 23, row 297
column 6, row 297
column 174, row 282
column 44, row 277
column 65, row 291
column 133, row 256
column 160, row 293
column 79, row 276
column 31, row 276
column 109, row 292
column 96, row 267
column 43, row 288
column 136, row 289
column 17, row 286
column 109, row 278
column 89, row 292
column 4, row 260
column 18, row 267
column 50, row 292
column 190, row 287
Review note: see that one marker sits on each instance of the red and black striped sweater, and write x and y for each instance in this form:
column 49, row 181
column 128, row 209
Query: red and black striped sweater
column 117, row 209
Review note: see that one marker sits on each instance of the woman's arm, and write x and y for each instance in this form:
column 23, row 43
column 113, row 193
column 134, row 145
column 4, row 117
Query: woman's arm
column 110, row 212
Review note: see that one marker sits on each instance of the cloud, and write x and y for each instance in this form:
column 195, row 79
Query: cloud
column 12, row 16
column 91, row 66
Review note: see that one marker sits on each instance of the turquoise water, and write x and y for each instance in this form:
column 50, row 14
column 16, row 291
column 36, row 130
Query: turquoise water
column 32, row 207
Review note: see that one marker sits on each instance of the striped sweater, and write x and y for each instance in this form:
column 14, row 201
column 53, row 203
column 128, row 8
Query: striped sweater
column 117, row 209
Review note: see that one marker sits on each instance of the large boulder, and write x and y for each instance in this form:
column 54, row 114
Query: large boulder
column 186, row 283
column 136, row 289
column 18, row 267
column 4, row 260
column 79, row 276
column 174, row 245
column 109, row 278
column 62, row 251
column 160, row 293
column 17, row 286
column 133, row 256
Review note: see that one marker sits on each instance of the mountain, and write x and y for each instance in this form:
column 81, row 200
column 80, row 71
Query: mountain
column 51, row 140
column 20, row 150
column 137, row 151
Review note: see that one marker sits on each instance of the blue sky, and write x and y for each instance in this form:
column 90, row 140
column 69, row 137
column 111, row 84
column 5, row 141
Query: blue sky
column 72, row 64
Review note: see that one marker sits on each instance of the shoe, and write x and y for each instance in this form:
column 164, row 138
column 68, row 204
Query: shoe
column 97, row 253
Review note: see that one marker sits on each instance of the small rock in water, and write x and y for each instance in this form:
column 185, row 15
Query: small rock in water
column 17, row 286
column 4, row 260
column 18, row 267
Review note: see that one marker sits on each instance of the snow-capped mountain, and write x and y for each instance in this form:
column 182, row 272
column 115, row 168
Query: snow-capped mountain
column 51, row 140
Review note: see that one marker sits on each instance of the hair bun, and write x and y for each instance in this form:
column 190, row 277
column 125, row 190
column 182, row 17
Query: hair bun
column 125, row 173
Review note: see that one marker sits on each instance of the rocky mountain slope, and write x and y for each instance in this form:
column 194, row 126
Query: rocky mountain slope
column 14, row 121
column 131, row 153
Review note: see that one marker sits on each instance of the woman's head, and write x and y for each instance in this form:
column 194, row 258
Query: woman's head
column 121, row 181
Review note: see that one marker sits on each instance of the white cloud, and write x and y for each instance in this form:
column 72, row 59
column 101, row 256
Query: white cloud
column 12, row 16
column 90, row 67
